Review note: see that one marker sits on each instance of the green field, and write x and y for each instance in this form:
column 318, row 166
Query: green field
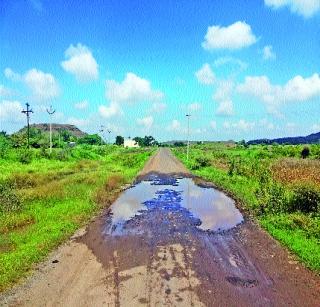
column 273, row 184
column 44, row 199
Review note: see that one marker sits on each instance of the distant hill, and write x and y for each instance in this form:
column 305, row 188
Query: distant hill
column 56, row 128
column 309, row 139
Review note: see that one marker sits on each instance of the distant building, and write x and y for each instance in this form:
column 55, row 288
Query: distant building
column 130, row 143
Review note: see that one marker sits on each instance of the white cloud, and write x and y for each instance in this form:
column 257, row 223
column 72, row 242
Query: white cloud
column 82, row 105
column 306, row 8
column 213, row 124
column 315, row 128
column 193, row 107
column 223, row 97
column 225, row 108
column 268, row 53
column 205, row 75
column 43, row 85
column 158, row 107
column 242, row 125
column 147, row 122
column 175, row 125
column 265, row 124
column 112, row 110
column 81, row 63
column 4, row 91
column 11, row 111
column 235, row 36
column 131, row 90
column 296, row 89
column 11, row 75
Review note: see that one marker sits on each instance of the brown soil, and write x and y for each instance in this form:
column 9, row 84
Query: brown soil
column 168, row 264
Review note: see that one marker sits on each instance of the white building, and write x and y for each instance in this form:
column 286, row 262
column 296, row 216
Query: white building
column 130, row 143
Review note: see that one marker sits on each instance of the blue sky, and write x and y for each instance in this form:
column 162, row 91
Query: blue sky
column 243, row 70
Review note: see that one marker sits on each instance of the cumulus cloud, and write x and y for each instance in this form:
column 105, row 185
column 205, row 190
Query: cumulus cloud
column 236, row 36
column 11, row 111
column 131, row 90
column 82, row 105
column 193, row 107
column 11, row 75
column 315, row 127
column 242, row 125
column 223, row 97
column 213, row 124
column 158, row 107
column 81, row 63
column 42, row 85
column 268, row 53
column 4, row 91
column 146, row 122
column 112, row 110
column 306, row 8
column 295, row 90
column 205, row 75
column 175, row 125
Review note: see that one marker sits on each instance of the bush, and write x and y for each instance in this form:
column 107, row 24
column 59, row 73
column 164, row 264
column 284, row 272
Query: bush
column 306, row 198
column 26, row 157
column 9, row 200
column 202, row 161
column 305, row 152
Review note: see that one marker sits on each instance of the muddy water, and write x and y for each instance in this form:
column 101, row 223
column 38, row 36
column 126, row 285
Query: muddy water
column 205, row 208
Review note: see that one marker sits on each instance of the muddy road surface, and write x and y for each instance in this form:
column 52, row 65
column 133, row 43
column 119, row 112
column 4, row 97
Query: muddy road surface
column 169, row 240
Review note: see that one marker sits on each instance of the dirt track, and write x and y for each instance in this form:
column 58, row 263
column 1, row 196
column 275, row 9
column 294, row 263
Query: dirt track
column 168, row 262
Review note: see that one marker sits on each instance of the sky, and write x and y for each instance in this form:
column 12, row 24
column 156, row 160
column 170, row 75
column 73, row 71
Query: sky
column 242, row 69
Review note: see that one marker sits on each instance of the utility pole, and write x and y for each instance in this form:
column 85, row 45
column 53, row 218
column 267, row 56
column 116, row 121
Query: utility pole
column 51, row 111
column 188, row 141
column 109, row 131
column 27, row 112
column 101, row 131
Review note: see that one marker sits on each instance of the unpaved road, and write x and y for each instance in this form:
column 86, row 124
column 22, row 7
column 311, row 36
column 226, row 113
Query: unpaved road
column 168, row 261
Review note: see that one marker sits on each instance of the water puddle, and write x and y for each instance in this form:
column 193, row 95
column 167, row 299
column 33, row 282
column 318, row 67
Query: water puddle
column 206, row 208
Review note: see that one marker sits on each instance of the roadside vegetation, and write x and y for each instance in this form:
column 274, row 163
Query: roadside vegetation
column 45, row 197
column 277, row 184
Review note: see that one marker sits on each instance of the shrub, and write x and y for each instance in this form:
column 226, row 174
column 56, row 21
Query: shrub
column 232, row 167
column 305, row 152
column 26, row 157
column 202, row 161
column 9, row 200
column 306, row 198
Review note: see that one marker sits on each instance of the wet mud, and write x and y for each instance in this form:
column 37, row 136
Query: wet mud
column 168, row 241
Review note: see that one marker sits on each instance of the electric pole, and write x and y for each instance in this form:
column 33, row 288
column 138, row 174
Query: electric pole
column 51, row 111
column 27, row 112
column 109, row 131
column 188, row 141
column 101, row 131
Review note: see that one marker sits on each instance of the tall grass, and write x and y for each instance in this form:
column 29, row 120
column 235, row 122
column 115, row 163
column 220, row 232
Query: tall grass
column 48, row 199
column 272, row 183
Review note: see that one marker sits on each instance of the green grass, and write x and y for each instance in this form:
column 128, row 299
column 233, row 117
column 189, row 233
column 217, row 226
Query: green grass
column 300, row 232
column 57, row 197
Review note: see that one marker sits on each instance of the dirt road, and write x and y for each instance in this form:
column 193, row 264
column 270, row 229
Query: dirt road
column 160, row 245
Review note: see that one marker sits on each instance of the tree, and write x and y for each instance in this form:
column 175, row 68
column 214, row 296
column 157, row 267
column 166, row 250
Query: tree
column 146, row 141
column 119, row 140
column 91, row 139
column 305, row 152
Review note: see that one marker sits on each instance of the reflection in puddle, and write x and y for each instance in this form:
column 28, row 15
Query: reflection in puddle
column 214, row 210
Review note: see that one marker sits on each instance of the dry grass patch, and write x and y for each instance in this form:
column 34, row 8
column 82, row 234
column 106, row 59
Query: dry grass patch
column 293, row 171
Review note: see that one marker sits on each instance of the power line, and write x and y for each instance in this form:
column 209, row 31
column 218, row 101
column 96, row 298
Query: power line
column 27, row 112
column 188, row 141
column 51, row 111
